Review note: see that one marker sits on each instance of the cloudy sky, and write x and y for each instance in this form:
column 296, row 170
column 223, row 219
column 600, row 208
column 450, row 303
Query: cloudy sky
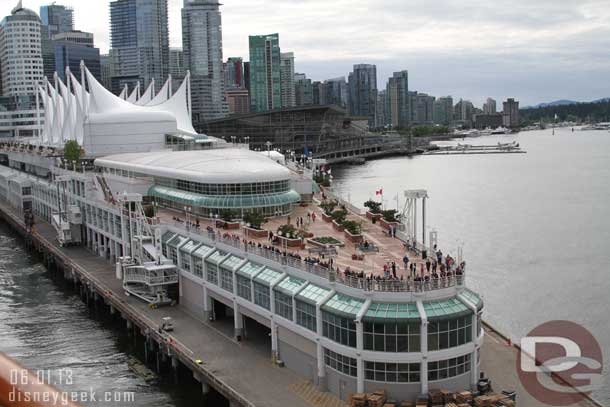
column 533, row 50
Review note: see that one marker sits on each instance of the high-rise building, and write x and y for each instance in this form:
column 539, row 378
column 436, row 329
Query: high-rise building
column 463, row 112
column 362, row 84
column 424, row 109
column 398, row 112
column 106, row 71
column 318, row 92
column 21, row 71
column 139, row 42
column 234, row 73
column 287, row 78
column 238, row 101
column 20, row 52
column 336, row 91
column 265, row 85
column 443, row 111
column 511, row 113
column 70, row 53
column 176, row 63
column 490, row 106
column 202, row 47
column 381, row 116
column 58, row 18
column 247, row 76
column 303, row 90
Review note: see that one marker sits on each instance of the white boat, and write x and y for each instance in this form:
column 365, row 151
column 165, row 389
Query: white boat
column 501, row 130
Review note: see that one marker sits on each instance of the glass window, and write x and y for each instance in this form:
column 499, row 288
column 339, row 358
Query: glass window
column 446, row 334
column 283, row 304
column 244, row 288
column 444, row 369
column 198, row 267
column 343, row 364
column 392, row 372
column 392, row 336
column 226, row 279
column 261, row 295
column 211, row 272
column 306, row 315
column 339, row 329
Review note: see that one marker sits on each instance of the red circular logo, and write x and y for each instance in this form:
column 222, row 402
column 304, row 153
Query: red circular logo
column 560, row 363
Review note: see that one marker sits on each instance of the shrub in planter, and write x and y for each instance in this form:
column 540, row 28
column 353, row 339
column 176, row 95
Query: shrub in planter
column 338, row 226
column 329, row 240
column 389, row 215
column 339, row 215
column 286, row 229
column 353, row 227
column 328, row 206
column 228, row 215
column 256, row 220
column 373, row 206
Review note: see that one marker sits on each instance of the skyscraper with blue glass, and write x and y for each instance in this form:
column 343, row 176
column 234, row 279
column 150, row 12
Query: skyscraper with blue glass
column 265, row 80
column 139, row 42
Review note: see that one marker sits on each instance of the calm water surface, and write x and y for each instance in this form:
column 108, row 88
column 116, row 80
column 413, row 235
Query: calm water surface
column 48, row 329
column 535, row 227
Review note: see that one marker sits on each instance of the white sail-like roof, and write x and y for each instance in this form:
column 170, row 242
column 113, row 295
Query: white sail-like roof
column 148, row 95
column 178, row 105
column 163, row 94
column 48, row 113
column 123, row 94
column 135, row 94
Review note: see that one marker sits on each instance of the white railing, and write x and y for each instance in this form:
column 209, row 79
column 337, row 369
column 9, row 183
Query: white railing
column 365, row 283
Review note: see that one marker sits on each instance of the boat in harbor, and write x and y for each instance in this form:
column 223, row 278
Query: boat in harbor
column 501, row 130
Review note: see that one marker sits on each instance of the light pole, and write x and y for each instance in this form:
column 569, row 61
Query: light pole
column 268, row 144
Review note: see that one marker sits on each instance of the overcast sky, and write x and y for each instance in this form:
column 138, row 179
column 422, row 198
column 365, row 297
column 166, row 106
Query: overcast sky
column 533, row 50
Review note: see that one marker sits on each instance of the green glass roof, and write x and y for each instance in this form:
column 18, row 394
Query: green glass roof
column 217, row 256
column 473, row 298
column 167, row 236
column 224, row 201
column 290, row 285
column 231, row 262
column 176, row 241
column 268, row 276
column 189, row 246
column 313, row 294
column 343, row 304
column 451, row 308
column 249, row 269
column 384, row 310
column 202, row 251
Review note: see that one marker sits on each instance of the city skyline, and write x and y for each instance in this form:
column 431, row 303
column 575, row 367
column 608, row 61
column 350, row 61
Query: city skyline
column 463, row 50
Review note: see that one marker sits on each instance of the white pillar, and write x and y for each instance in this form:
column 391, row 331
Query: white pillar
column 359, row 360
column 321, row 366
column 423, row 222
column 238, row 321
column 207, row 304
column 424, row 362
column 274, row 342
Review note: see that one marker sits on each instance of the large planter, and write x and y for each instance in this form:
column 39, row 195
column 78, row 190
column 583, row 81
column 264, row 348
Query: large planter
column 255, row 233
column 387, row 225
column 338, row 227
column 326, row 217
column 284, row 241
column 371, row 215
column 354, row 238
column 227, row 225
column 320, row 244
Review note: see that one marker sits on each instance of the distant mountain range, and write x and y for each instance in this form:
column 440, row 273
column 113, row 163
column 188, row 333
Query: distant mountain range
column 564, row 102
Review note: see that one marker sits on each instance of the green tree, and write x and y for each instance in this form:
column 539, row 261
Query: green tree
column 72, row 151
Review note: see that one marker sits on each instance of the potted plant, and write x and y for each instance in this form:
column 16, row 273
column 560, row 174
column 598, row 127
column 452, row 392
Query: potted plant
column 253, row 225
column 353, row 231
column 374, row 209
column 389, row 219
column 289, row 236
column 328, row 207
column 338, row 217
column 324, row 241
column 229, row 219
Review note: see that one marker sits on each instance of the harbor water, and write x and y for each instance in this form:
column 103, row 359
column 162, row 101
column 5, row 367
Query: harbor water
column 47, row 328
column 534, row 228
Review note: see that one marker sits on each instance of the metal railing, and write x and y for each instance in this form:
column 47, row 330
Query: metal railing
column 365, row 283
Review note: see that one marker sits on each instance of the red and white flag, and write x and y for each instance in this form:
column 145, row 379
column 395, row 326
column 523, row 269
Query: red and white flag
column 379, row 191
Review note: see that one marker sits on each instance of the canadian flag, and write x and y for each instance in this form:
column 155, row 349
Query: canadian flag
column 379, row 192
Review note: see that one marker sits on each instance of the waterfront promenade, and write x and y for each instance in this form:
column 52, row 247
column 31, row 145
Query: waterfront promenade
column 244, row 367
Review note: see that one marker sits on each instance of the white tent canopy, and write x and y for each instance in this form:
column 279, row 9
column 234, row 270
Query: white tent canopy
column 90, row 114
